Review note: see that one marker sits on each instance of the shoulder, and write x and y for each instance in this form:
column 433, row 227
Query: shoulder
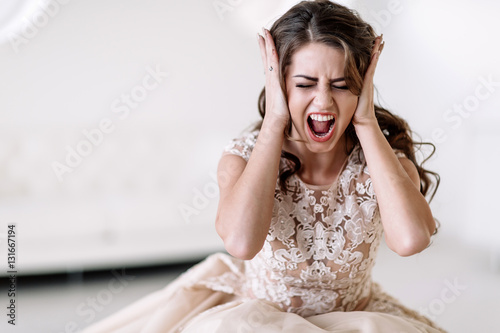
column 243, row 145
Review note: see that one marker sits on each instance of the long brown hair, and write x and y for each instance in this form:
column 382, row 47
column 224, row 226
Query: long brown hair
column 337, row 26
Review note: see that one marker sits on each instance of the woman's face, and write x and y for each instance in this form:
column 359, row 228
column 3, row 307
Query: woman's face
column 321, row 105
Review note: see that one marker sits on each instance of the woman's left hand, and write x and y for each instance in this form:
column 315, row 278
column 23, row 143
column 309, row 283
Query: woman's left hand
column 365, row 111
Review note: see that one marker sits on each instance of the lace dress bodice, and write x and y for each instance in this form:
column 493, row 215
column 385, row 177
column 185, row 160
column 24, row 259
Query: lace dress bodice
column 321, row 245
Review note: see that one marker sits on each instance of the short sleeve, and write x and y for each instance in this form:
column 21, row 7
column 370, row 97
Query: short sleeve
column 243, row 145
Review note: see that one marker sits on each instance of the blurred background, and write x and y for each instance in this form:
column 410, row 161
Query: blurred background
column 114, row 114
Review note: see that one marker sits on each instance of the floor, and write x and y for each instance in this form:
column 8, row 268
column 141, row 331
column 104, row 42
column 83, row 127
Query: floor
column 456, row 286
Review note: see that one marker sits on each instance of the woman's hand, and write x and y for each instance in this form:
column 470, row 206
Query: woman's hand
column 276, row 103
column 365, row 111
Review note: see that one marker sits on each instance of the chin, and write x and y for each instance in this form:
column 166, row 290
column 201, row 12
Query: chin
column 321, row 148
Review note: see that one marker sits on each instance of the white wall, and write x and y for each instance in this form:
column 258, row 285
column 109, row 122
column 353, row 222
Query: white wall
column 121, row 203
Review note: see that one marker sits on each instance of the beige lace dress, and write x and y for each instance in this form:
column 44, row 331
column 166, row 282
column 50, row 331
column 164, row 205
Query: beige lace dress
column 313, row 273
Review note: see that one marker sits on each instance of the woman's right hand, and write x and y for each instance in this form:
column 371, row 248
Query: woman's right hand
column 276, row 104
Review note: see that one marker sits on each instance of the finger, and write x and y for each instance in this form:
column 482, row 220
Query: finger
column 370, row 72
column 378, row 44
column 272, row 57
column 377, row 49
column 262, row 46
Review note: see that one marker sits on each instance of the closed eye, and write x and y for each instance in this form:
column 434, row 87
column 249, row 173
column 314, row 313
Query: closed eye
column 311, row 85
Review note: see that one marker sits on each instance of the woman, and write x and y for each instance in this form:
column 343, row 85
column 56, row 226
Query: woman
column 306, row 197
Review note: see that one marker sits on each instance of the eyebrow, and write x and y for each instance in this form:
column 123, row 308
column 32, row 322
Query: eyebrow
column 316, row 79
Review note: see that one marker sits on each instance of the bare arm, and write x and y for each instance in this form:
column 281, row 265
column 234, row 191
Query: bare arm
column 247, row 196
column 406, row 216
column 247, row 189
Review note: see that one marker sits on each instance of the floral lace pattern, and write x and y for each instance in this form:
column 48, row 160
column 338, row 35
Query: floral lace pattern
column 321, row 245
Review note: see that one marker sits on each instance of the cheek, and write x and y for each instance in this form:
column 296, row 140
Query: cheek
column 349, row 105
column 297, row 106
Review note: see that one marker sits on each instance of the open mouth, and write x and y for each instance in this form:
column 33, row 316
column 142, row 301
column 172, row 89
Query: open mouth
column 321, row 126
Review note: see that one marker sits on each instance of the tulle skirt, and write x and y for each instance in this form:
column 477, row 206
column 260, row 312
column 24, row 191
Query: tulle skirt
column 188, row 305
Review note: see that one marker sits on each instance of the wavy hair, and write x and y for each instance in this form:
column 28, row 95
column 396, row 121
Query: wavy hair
column 337, row 26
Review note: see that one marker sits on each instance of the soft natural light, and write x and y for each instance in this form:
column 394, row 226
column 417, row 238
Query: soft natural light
column 14, row 15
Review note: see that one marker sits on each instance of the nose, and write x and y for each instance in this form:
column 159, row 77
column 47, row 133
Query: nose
column 323, row 98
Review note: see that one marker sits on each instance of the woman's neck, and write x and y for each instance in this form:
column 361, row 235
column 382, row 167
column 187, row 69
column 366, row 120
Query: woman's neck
column 319, row 168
